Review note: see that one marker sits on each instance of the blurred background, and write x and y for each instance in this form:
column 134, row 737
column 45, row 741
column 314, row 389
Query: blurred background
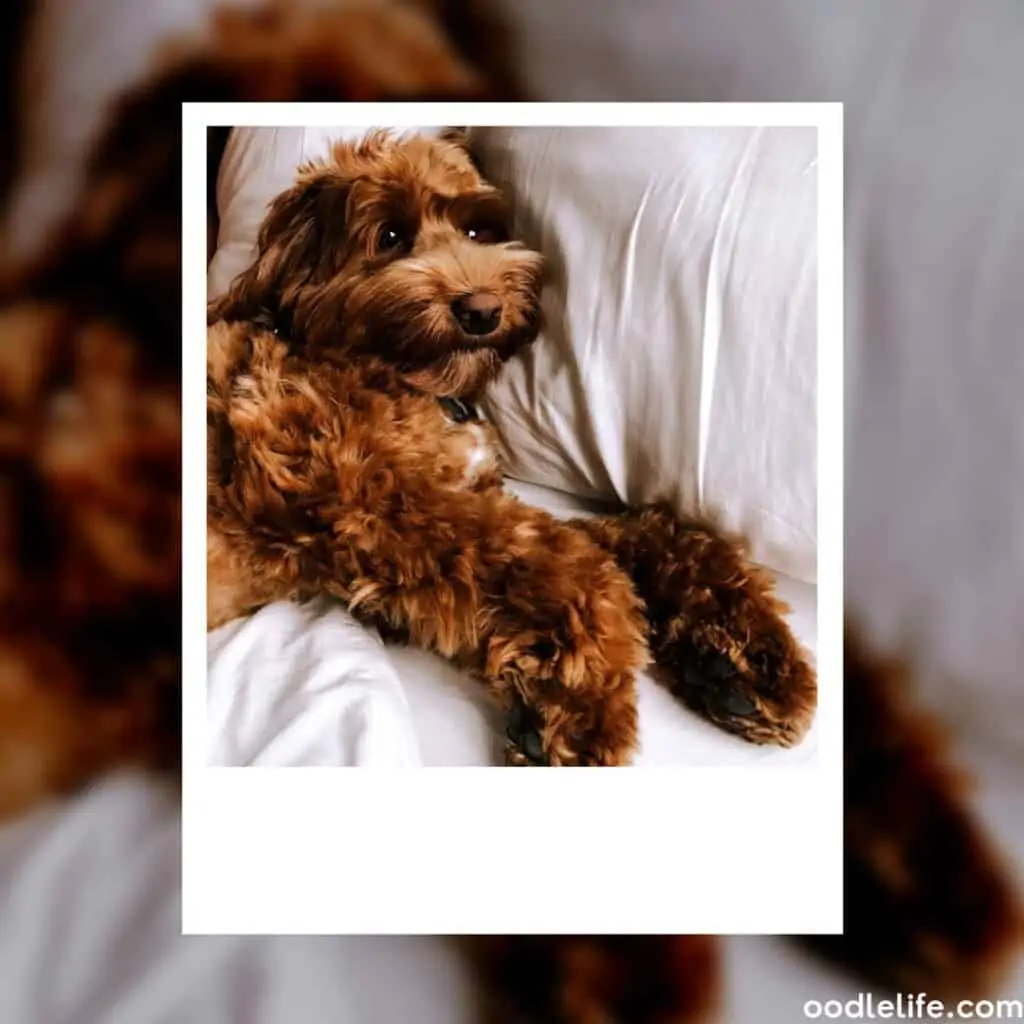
column 934, row 481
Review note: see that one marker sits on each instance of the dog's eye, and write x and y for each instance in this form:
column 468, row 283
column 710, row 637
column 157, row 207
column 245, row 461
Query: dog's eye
column 392, row 237
column 485, row 234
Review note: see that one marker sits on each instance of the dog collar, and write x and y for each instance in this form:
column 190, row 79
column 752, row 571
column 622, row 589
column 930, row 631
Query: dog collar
column 459, row 410
column 264, row 318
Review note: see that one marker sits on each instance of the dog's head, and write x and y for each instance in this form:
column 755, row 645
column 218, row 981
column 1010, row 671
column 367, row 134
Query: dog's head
column 396, row 247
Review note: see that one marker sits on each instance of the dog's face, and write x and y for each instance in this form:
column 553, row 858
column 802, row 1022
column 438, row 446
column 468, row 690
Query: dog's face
column 396, row 247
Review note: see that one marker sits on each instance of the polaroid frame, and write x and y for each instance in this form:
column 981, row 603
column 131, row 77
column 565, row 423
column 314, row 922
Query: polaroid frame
column 715, row 850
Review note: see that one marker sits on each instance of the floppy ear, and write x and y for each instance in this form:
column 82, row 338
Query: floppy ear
column 297, row 246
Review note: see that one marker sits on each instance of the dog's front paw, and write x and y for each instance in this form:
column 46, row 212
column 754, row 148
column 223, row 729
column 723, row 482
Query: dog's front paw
column 567, row 635
column 524, row 747
column 599, row 731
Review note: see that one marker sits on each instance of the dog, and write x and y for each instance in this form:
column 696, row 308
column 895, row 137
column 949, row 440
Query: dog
column 347, row 457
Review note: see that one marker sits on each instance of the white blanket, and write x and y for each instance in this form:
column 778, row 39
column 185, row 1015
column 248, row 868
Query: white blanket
column 305, row 685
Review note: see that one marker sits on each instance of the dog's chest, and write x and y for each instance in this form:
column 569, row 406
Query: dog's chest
column 471, row 441
column 455, row 442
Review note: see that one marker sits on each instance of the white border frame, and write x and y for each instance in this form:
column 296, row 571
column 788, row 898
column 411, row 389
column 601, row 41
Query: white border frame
column 471, row 850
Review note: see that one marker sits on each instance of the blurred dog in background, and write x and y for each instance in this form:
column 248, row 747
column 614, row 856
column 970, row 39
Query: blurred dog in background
column 90, row 400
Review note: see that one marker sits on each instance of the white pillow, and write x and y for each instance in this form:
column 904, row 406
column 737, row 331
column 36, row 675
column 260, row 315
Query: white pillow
column 680, row 353
column 679, row 358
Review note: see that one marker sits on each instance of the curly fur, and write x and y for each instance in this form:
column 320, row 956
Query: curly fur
column 333, row 468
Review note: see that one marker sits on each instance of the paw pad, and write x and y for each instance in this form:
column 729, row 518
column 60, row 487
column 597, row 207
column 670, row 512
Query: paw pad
column 736, row 702
column 523, row 734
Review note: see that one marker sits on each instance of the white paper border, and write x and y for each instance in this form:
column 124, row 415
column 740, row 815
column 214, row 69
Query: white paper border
column 473, row 850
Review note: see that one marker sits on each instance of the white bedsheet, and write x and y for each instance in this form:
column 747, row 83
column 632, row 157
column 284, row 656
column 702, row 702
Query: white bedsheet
column 310, row 686
column 305, row 685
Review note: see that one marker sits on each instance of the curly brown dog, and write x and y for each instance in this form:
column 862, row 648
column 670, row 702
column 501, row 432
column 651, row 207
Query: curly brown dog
column 346, row 456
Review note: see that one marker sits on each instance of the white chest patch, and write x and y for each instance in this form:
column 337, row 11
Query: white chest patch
column 480, row 457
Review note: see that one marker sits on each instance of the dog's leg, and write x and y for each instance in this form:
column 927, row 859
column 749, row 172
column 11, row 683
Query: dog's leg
column 717, row 631
column 551, row 624
column 532, row 607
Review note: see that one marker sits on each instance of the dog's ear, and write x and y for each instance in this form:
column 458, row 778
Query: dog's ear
column 298, row 246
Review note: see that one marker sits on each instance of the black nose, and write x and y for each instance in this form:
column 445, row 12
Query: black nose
column 477, row 314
